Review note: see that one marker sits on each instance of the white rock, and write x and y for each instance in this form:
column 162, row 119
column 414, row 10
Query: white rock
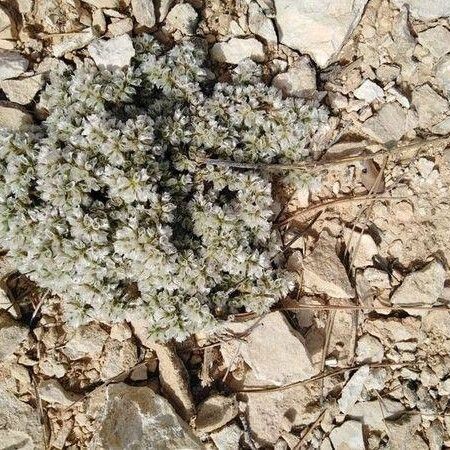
column 318, row 28
column 183, row 17
column 21, row 428
column 7, row 25
column 120, row 27
column 298, row 81
column 348, row 436
column 368, row 91
column 72, row 42
column 369, row 349
column 104, row 3
column 426, row 9
column 12, row 334
column 422, row 287
column 227, row 438
column 353, row 389
column 144, row 12
column 12, row 64
column 13, row 117
column 436, row 40
column 430, row 106
column 402, row 433
column 135, row 418
column 236, row 49
column 23, row 90
column 164, row 6
column 442, row 127
column 443, row 73
column 260, row 24
column 323, row 272
column 362, row 248
column 86, row 342
column 51, row 391
column 373, row 414
column 388, row 124
column 115, row 52
column 273, row 350
column 215, row 412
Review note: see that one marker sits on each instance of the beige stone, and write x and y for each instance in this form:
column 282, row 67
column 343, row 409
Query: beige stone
column 13, row 117
column 23, row 90
column 215, row 412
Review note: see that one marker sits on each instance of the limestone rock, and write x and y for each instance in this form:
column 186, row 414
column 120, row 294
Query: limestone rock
column 13, row 117
column 430, row 106
column 227, row 438
column 215, row 412
column 388, row 124
column 436, row 40
column 137, row 418
column 104, row 3
column 119, row 357
column 12, row 64
column 23, row 90
column 236, row 49
column 422, row 287
column 72, row 42
column 183, row 17
column 12, row 334
column 369, row 349
column 402, row 433
column 443, row 73
column 368, row 91
column 297, row 81
column 144, row 12
column 274, row 351
column 426, row 9
column 373, row 414
column 260, row 24
column 51, row 391
column 115, row 52
column 352, row 390
column 323, row 272
column 348, row 436
column 8, row 28
column 164, row 7
column 362, row 248
column 120, row 27
column 320, row 28
column 21, row 428
column 86, row 342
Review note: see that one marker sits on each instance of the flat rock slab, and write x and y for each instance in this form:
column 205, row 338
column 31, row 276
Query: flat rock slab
column 426, row 9
column 318, row 28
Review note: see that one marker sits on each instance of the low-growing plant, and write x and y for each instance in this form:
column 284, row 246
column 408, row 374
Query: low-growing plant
column 109, row 203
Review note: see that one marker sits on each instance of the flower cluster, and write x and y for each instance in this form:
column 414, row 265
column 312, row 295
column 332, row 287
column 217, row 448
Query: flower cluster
column 109, row 202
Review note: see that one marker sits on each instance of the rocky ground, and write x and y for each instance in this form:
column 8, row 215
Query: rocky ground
column 359, row 357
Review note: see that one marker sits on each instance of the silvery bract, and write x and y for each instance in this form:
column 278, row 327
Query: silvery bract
column 108, row 204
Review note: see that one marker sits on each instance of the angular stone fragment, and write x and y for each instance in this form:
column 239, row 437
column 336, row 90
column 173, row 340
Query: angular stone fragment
column 104, row 3
column 12, row 117
column 422, row 287
column 436, row 40
column 12, row 334
column 348, row 436
column 115, row 52
column 73, row 42
column 374, row 413
column 23, row 90
column 369, row 349
column 274, row 351
column 362, row 248
column 120, row 27
column 352, row 390
column 388, row 124
column 443, row 73
column 368, row 91
column 164, row 7
column 227, row 438
column 135, row 418
column 236, row 49
column 8, row 28
column 297, row 81
column 87, row 342
column 21, row 428
column 323, row 272
column 183, row 17
column 430, row 106
column 318, row 28
column 12, row 64
column 260, row 24
column 215, row 412
column 119, row 357
column 51, row 391
column 144, row 12
column 426, row 9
